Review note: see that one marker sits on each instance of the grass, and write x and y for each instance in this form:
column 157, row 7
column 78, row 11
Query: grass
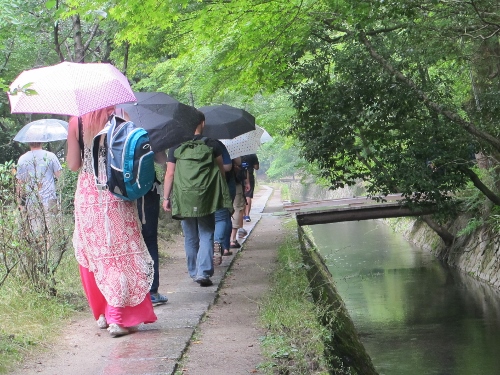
column 30, row 320
column 293, row 343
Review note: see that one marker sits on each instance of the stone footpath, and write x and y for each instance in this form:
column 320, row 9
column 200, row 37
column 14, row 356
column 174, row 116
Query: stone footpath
column 157, row 348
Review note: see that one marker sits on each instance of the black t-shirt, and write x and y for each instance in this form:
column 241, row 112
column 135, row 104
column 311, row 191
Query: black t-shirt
column 209, row 142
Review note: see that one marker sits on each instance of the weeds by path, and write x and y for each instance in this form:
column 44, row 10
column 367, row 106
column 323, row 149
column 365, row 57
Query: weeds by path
column 30, row 320
column 293, row 343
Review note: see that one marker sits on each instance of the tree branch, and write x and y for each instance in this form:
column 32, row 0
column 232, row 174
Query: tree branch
column 466, row 125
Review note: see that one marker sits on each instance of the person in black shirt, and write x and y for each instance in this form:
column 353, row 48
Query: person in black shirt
column 250, row 163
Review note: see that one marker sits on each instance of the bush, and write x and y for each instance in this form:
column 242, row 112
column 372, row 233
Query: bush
column 34, row 238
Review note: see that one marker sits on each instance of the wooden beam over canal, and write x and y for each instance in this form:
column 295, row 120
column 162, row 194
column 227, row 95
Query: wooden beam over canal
column 350, row 209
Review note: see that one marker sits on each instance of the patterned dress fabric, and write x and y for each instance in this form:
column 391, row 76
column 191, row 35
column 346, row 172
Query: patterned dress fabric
column 108, row 240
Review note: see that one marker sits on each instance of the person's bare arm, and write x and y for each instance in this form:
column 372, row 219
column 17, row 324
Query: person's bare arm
column 247, row 181
column 73, row 155
column 161, row 159
column 228, row 167
column 219, row 161
column 167, row 186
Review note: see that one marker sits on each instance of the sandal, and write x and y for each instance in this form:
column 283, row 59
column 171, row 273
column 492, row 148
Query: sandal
column 227, row 252
column 217, row 253
column 234, row 245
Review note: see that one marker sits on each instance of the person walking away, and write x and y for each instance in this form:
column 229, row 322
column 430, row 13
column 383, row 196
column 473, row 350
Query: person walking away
column 251, row 163
column 223, row 215
column 242, row 186
column 116, row 269
column 148, row 207
column 37, row 171
column 195, row 204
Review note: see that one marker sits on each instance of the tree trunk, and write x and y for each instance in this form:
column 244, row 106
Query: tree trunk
column 79, row 47
column 445, row 235
column 481, row 186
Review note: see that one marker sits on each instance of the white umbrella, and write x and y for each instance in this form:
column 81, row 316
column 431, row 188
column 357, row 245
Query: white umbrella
column 245, row 144
column 266, row 137
column 46, row 130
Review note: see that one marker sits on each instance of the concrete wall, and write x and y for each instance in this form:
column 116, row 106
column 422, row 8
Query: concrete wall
column 476, row 254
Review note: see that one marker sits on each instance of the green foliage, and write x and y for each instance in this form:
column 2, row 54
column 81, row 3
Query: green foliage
column 33, row 237
column 31, row 319
column 66, row 185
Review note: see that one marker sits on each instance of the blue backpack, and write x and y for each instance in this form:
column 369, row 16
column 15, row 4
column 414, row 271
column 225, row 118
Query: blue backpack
column 130, row 171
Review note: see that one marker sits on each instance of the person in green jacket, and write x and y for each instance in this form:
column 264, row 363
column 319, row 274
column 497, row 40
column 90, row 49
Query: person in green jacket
column 198, row 230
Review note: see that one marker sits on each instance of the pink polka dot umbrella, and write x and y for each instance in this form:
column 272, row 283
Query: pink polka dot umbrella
column 68, row 88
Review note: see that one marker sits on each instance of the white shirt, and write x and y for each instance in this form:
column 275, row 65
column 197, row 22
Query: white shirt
column 36, row 171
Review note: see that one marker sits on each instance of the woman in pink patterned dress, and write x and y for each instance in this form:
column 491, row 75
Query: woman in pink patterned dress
column 115, row 266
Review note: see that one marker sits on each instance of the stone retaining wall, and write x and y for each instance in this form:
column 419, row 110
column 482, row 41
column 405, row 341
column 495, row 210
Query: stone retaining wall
column 476, row 254
column 344, row 350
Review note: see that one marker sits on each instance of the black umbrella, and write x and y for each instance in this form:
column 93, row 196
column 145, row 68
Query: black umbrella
column 226, row 122
column 167, row 121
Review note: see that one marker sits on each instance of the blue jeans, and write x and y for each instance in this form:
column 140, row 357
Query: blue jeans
column 222, row 221
column 199, row 245
column 150, row 230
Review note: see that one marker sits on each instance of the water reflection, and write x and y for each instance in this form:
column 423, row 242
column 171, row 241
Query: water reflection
column 414, row 315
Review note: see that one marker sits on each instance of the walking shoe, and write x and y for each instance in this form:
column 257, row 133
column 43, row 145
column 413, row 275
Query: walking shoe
column 247, row 219
column 204, row 281
column 157, row 298
column 234, row 245
column 242, row 232
column 101, row 322
column 116, row 331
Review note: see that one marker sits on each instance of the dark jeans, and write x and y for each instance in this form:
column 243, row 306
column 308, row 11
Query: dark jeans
column 150, row 230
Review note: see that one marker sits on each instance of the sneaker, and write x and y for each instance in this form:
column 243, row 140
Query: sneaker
column 116, row 331
column 157, row 298
column 247, row 219
column 242, row 232
column 234, row 245
column 101, row 322
column 204, row 281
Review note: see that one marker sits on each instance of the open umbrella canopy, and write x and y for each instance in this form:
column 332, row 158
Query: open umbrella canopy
column 46, row 130
column 266, row 137
column 226, row 122
column 69, row 89
column 167, row 121
column 244, row 144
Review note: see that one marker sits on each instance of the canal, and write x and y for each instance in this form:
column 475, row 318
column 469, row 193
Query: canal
column 414, row 316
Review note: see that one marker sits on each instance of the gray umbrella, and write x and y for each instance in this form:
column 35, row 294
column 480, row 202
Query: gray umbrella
column 167, row 121
column 226, row 122
column 46, row 130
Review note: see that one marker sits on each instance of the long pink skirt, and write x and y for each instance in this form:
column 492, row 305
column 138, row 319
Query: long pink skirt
column 127, row 316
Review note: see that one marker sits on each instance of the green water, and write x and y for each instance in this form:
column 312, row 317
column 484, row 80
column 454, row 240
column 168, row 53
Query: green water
column 414, row 316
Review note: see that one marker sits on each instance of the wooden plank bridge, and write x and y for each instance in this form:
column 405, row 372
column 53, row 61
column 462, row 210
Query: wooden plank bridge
column 350, row 209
